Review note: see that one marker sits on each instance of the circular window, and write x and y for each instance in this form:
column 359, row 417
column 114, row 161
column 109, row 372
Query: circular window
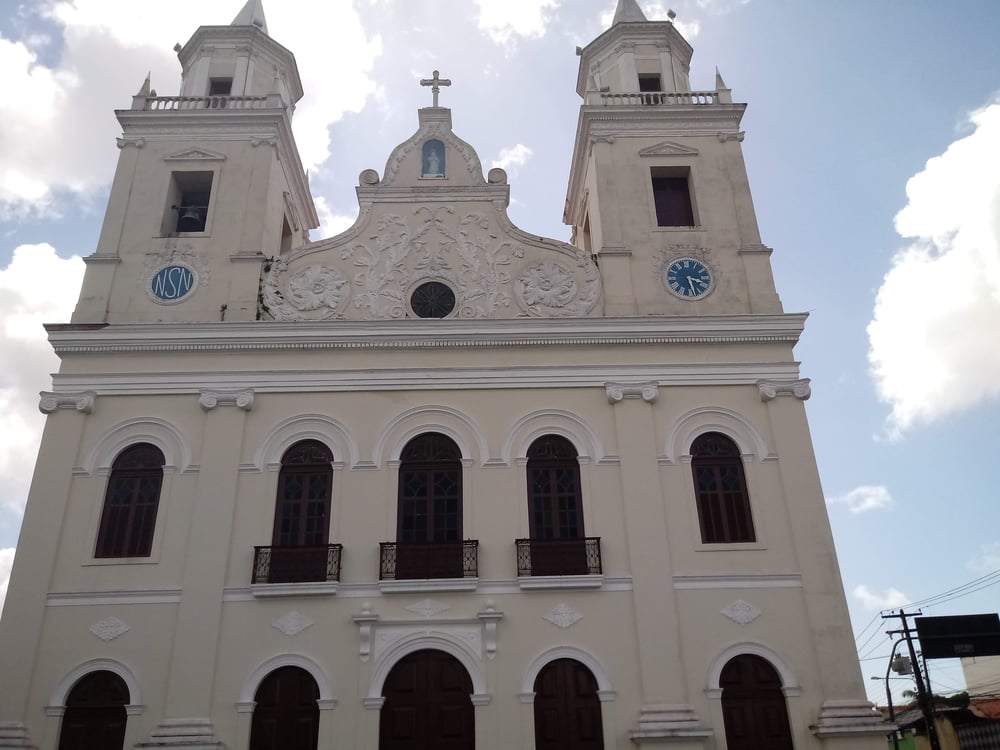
column 432, row 300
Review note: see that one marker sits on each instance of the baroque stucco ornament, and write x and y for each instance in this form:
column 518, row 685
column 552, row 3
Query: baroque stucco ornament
column 109, row 628
column 468, row 252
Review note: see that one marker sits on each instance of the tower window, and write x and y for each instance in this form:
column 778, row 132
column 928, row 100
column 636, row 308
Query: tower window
column 131, row 502
column 672, row 196
column 220, row 86
column 187, row 202
column 721, row 490
column 650, row 82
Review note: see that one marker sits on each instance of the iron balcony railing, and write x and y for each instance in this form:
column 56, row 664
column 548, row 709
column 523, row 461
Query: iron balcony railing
column 404, row 561
column 296, row 564
column 559, row 557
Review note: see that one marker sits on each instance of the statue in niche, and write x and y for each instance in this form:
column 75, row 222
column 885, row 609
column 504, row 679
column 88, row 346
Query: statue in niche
column 433, row 159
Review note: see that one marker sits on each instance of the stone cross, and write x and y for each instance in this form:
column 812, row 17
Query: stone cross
column 435, row 83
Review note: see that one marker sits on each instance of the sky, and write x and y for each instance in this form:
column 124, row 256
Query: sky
column 873, row 148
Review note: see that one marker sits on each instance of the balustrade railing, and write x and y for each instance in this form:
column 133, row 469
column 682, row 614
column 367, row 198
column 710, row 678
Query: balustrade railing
column 404, row 561
column 559, row 557
column 178, row 103
column 296, row 564
column 659, row 98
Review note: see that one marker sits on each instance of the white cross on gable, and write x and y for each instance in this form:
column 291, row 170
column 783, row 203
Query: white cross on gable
column 435, row 83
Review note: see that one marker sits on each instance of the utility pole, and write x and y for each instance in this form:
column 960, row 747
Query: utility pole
column 923, row 697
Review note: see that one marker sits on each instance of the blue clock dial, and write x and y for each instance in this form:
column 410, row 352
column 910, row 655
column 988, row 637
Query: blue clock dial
column 687, row 278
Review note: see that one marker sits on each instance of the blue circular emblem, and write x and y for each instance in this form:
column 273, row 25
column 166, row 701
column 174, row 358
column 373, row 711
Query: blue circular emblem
column 687, row 278
column 173, row 283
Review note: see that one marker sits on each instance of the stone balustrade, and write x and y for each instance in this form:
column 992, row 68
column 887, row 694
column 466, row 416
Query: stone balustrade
column 185, row 103
column 647, row 98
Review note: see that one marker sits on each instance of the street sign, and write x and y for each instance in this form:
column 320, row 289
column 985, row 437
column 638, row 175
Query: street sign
column 959, row 635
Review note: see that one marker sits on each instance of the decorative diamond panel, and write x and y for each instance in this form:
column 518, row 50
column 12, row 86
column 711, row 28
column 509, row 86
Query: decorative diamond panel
column 109, row 628
column 427, row 607
column 741, row 612
column 563, row 616
column 293, row 623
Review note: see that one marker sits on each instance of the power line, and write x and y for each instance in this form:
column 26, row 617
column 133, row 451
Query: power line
column 959, row 591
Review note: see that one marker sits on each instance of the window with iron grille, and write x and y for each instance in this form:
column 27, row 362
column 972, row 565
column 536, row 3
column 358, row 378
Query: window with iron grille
column 430, row 490
column 721, row 490
column 302, row 509
column 131, row 502
column 554, row 499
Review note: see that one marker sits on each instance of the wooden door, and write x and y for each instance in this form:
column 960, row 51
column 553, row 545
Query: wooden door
column 428, row 705
column 567, row 710
column 286, row 716
column 753, row 706
column 95, row 714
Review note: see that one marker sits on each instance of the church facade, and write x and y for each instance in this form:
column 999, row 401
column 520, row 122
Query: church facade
column 435, row 482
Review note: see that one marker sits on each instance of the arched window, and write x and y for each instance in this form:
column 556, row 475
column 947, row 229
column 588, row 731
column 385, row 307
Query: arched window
column 555, row 513
column 286, row 716
column 302, row 508
column 567, row 709
column 95, row 713
column 429, row 521
column 300, row 550
column 753, row 705
column 131, row 502
column 721, row 490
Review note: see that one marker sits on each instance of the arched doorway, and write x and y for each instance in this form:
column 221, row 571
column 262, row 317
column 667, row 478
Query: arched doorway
column 428, row 704
column 753, row 705
column 286, row 716
column 567, row 709
column 95, row 713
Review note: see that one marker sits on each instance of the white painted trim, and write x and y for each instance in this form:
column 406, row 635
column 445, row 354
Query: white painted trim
column 427, row 585
column 704, row 419
column 534, row 425
column 465, row 431
column 61, row 691
column 248, row 693
column 103, row 598
column 326, row 430
column 267, row 590
column 427, row 379
column 789, row 682
column 437, row 641
column 566, row 652
column 763, row 581
column 167, row 437
column 527, row 583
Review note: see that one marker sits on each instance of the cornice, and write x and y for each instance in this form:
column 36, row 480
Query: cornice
column 425, row 334
column 596, row 376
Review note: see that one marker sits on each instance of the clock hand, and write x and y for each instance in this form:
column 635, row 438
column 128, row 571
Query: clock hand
column 691, row 281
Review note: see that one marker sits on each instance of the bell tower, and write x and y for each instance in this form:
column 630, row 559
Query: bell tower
column 209, row 184
column 658, row 189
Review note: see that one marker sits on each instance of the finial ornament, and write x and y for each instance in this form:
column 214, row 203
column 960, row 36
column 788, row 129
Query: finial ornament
column 436, row 82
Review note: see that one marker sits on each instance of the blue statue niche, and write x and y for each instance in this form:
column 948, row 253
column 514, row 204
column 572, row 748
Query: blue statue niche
column 433, row 159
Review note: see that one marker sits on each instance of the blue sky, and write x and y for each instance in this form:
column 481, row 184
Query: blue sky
column 873, row 147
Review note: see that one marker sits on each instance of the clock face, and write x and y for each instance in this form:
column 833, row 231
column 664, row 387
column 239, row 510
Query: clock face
column 687, row 278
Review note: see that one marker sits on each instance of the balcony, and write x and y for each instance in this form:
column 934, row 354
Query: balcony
column 187, row 103
column 430, row 566
column 659, row 98
column 297, row 565
column 559, row 563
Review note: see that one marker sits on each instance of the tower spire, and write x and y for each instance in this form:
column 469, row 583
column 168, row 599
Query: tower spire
column 252, row 15
column 628, row 11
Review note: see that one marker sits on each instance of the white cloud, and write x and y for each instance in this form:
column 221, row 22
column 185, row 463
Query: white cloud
column 938, row 310
column 892, row 598
column 503, row 20
column 513, row 158
column 36, row 287
column 6, row 561
column 988, row 559
column 331, row 223
column 864, row 498
column 109, row 47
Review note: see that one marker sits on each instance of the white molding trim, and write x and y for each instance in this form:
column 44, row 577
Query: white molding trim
column 427, row 585
column 465, row 431
column 618, row 392
column 248, row 692
column 270, row 590
column 62, row 689
column 104, row 598
column 81, row 401
column 534, row 425
column 565, row 652
column 737, row 581
column 438, row 641
column 789, row 682
column 286, row 433
column 702, row 419
column 168, row 438
column 427, row 334
column 588, row 581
